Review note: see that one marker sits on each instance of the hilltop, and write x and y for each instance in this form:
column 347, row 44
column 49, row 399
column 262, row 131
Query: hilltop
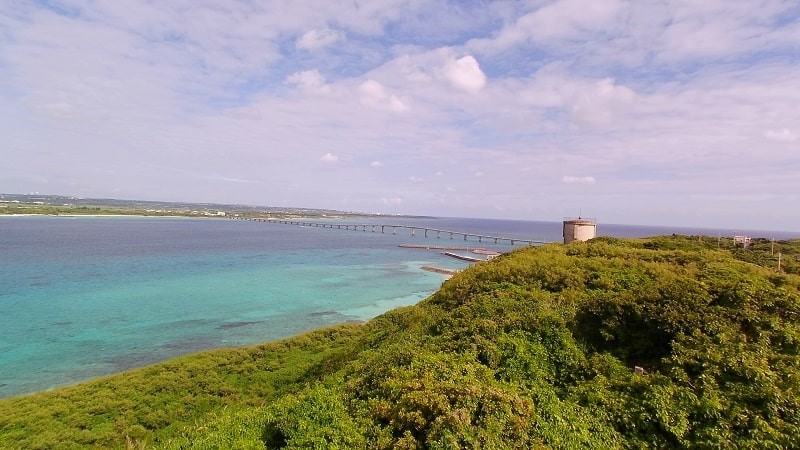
column 659, row 342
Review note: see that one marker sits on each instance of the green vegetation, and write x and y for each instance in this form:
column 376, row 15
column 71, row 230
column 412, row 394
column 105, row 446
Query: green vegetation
column 55, row 210
column 61, row 205
column 146, row 406
column 535, row 349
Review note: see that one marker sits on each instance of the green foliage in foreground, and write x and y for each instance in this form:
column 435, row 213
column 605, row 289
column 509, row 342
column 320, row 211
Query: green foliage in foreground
column 535, row 349
column 146, row 406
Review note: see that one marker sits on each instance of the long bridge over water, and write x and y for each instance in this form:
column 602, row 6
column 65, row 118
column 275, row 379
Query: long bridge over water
column 374, row 228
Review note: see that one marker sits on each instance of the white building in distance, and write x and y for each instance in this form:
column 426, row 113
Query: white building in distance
column 579, row 229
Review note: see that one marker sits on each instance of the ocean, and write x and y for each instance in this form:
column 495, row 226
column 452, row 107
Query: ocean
column 82, row 297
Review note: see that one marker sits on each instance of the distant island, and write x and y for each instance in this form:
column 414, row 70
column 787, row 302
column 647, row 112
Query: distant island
column 663, row 342
column 16, row 204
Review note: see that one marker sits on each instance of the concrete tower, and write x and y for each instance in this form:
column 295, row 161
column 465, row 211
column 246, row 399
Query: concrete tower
column 579, row 229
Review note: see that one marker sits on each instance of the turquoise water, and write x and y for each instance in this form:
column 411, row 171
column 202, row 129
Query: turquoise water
column 82, row 297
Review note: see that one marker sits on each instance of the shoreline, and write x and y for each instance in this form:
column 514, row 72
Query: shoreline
column 107, row 215
column 349, row 321
column 178, row 359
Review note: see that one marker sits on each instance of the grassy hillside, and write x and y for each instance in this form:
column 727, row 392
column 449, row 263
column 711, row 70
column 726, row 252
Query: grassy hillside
column 535, row 349
column 143, row 407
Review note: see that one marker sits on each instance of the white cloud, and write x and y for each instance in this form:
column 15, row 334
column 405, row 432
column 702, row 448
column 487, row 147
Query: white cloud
column 329, row 158
column 781, row 135
column 415, row 179
column 374, row 94
column 131, row 97
column 569, row 179
column 464, row 73
column 570, row 18
column 307, row 79
column 699, row 30
column 562, row 19
column 599, row 104
column 439, row 173
column 317, row 39
column 632, row 35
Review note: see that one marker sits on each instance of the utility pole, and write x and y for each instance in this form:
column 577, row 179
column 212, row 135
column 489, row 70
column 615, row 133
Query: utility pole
column 779, row 261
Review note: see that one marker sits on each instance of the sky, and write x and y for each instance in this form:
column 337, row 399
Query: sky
column 653, row 112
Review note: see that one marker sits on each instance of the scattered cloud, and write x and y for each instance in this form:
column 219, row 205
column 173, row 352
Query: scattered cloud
column 329, row 158
column 375, row 95
column 600, row 104
column 557, row 20
column 317, row 39
column 376, row 164
column 464, row 73
column 310, row 80
column 781, row 135
column 415, row 179
column 569, row 179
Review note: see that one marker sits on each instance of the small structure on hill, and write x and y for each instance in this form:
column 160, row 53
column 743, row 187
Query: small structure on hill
column 579, row 229
column 744, row 241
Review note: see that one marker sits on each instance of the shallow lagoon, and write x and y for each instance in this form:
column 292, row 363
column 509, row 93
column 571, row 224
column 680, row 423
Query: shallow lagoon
column 82, row 297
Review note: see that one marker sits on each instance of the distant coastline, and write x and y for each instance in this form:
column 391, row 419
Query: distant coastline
column 58, row 205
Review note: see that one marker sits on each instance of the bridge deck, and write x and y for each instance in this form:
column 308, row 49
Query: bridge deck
column 414, row 229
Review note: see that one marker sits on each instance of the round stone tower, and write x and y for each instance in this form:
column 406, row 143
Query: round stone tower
column 579, row 229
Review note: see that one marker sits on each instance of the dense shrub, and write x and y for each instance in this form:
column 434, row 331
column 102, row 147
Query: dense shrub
column 669, row 342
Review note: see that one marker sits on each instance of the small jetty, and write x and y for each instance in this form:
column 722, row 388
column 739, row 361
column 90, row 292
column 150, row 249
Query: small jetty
column 489, row 254
column 483, row 251
column 439, row 270
column 463, row 257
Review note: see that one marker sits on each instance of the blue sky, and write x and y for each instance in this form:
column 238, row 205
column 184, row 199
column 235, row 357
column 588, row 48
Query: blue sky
column 644, row 112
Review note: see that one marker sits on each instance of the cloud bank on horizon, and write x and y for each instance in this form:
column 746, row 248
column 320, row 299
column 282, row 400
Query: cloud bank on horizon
column 674, row 112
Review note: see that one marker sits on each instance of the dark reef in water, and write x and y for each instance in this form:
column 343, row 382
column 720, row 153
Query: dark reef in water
column 229, row 325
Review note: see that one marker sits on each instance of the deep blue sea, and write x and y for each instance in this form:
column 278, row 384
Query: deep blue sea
column 82, row 297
